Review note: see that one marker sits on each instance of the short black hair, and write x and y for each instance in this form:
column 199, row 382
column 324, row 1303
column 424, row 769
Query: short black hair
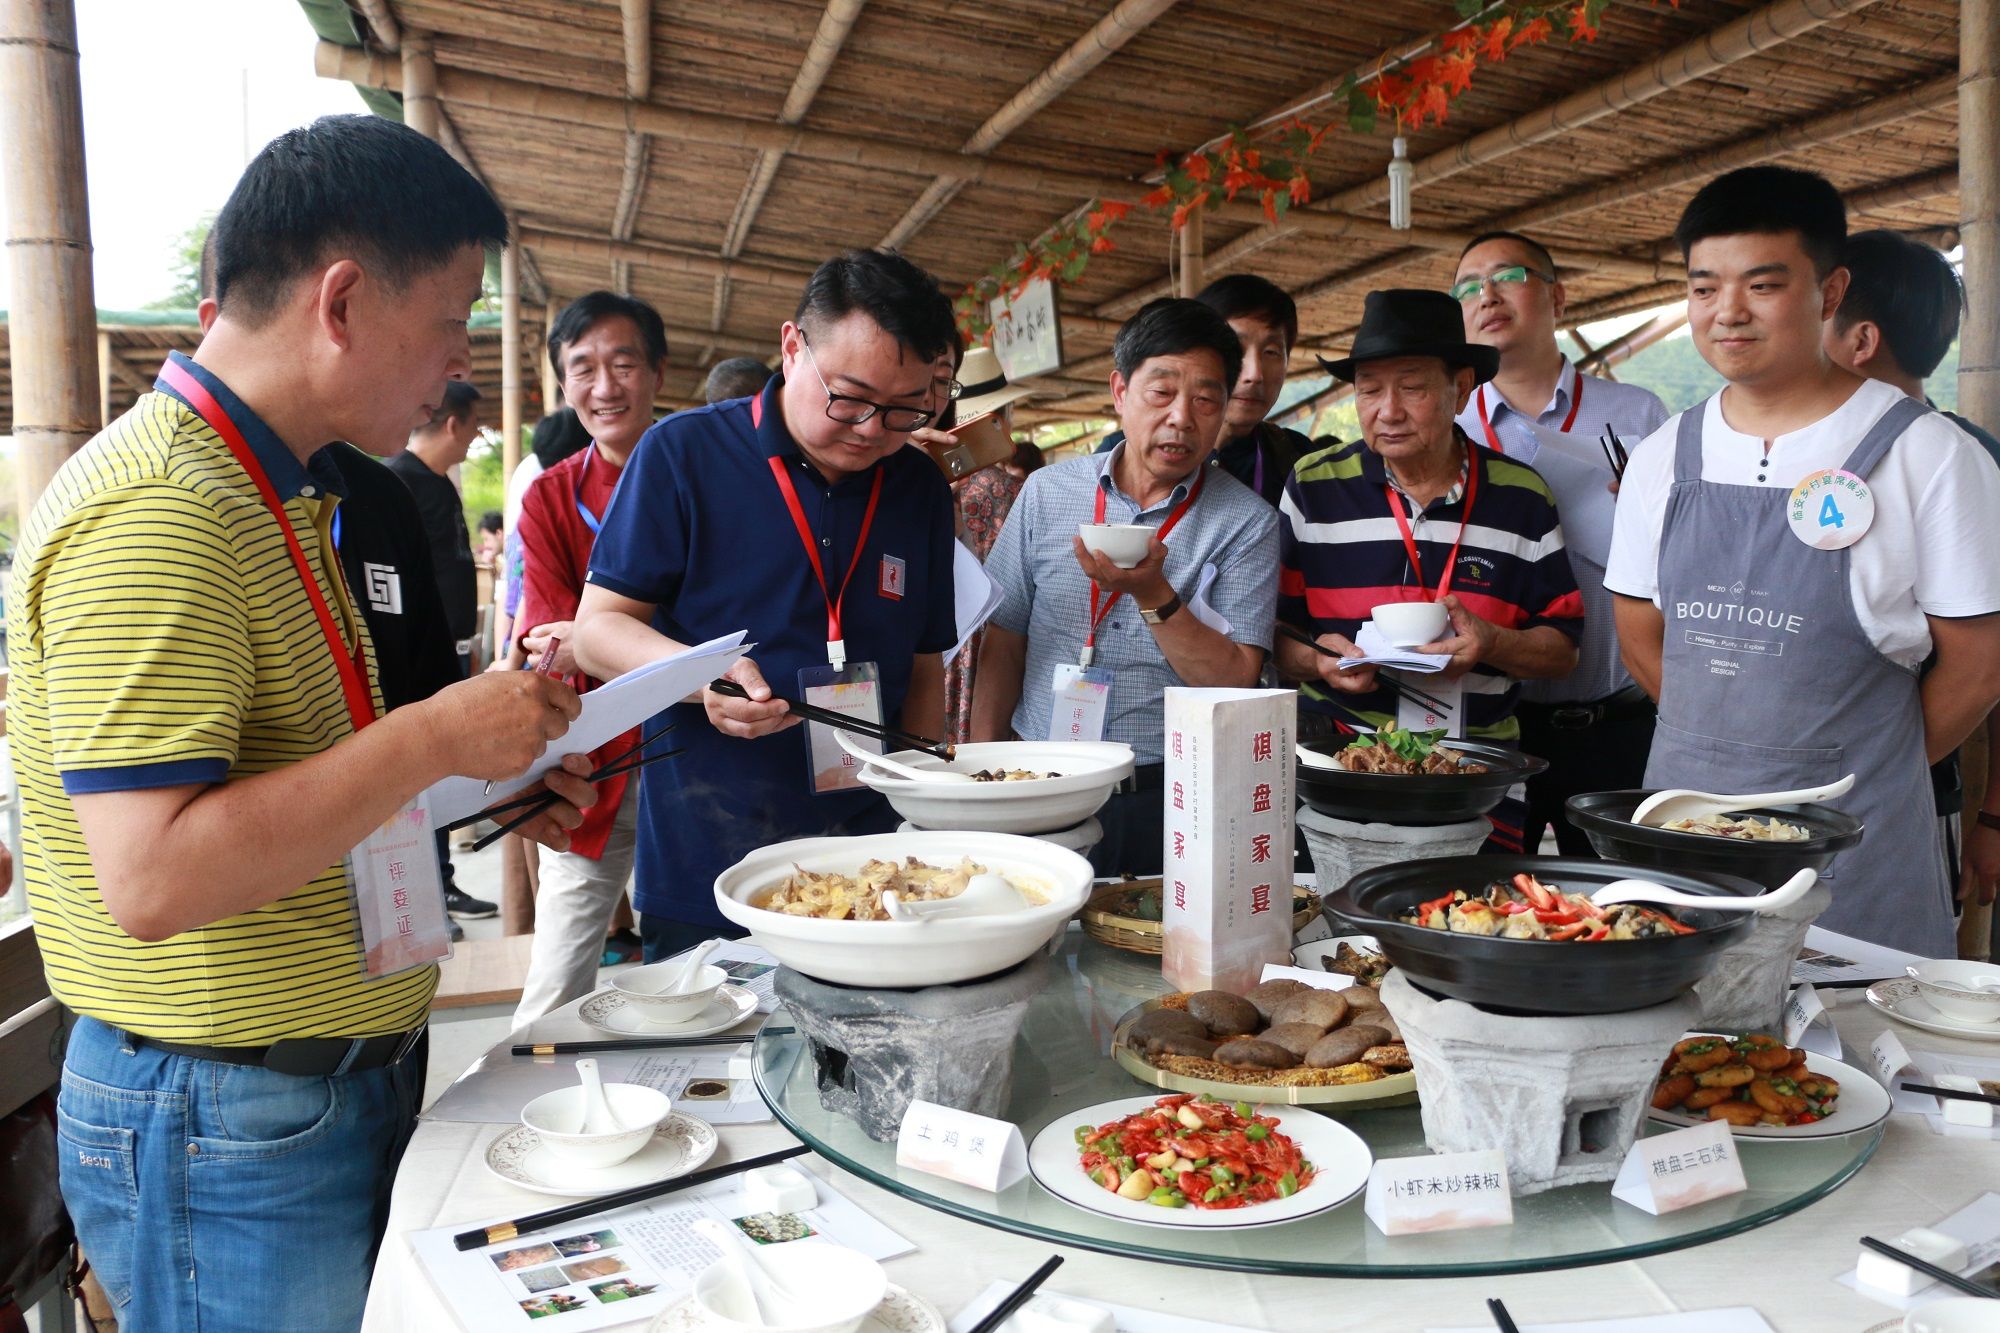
column 1535, row 248
column 401, row 203
column 1241, row 295
column 904, row 300
column 1170, row 326
column 557, row 436
column 459, row 396
column 1768, row 201
column 737, row 377
column 1906, row 289
column 491, row 521
column 574, row 320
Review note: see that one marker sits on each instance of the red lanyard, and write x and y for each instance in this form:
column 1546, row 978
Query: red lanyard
column 1409, row 538
column 836, row 643
column 1098, row 613
column 1575, row 402
column 353, row 666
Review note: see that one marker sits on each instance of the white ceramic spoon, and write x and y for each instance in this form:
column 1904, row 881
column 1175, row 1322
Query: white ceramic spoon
column 683, row 981
column 598, row 1118
column 1645, row 891
column 984, row 895
column 1664, row 807
column 900, row 770
column 761, row 1279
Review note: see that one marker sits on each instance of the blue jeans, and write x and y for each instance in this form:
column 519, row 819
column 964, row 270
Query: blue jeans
column 212, row 1197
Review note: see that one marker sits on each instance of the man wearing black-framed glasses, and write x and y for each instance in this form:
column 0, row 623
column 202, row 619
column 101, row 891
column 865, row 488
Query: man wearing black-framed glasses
column 797, row 515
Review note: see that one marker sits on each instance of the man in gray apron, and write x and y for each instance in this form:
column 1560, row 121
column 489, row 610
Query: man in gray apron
column 1787, row 553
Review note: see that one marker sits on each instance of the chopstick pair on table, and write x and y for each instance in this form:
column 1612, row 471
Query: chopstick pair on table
column 1400, row 688
column 660, row 1043
column 872, row 730
column 1927, row 1268
column 536, row 803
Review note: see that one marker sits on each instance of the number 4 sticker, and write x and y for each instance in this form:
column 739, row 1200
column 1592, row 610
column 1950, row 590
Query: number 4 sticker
column 1829, row 510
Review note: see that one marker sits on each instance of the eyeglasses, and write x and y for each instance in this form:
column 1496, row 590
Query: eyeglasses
column 1513, row 275
column 851, row 411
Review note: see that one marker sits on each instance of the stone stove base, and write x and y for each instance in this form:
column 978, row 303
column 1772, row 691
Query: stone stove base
column 1342, row 848
column 1561, row 1097
column 876, row 1051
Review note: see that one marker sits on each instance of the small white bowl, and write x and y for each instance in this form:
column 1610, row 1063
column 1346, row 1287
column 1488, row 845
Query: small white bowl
column 640, row 986
column 1123, row 544
column 1950, row 986
column 1410, row 624
column 553, row 1118
column 844, row 1283
column 1955, row 1314
column 1091, row 772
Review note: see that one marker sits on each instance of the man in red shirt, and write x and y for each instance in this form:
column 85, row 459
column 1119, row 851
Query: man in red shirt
column 609, row 351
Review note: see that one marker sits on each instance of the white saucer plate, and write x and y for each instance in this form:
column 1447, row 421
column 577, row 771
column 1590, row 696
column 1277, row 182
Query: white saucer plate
column 1863, row 1104
column 1341, row 1162
column 679, row 1145
column 1901, row 1000
column 608, row 1011
column 900, row 1312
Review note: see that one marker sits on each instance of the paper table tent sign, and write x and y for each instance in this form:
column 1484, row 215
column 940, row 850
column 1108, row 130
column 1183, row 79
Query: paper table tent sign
column 1677, row 1170
column 1809, row 1026
column 1226, row 887
column 974, row 1150
column 1446, row 1192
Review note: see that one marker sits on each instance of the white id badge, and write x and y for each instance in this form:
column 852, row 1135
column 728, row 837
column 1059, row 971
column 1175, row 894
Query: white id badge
column 1079, row 698
column 1414, row 716
column 399, row 894
column 855, row 690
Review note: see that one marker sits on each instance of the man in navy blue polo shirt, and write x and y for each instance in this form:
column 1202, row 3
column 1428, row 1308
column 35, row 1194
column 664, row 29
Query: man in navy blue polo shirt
column 799, row 516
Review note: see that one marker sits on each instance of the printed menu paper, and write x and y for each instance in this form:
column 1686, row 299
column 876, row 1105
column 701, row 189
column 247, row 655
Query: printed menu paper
column 1809, row 1026
column 609, row 711
column 1679, row 1169
column 1977, row 1227
column 1735, row 1319
column 1129, row 1320
column 625, row 1266
column 974, row 1150
column 1445, row 1192
column 1830, row 957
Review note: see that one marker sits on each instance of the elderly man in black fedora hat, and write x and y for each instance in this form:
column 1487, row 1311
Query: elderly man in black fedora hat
column 1417, row 512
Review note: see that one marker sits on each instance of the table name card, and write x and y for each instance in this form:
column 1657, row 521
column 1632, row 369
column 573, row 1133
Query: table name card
column 1677, row 1170
column 1892, row 1063
column 1447, row 1192
column 1317, row 980
column 972, row 1149
column 1809, row 1026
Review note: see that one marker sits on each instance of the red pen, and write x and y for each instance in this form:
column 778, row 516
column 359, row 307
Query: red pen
column 548, row 663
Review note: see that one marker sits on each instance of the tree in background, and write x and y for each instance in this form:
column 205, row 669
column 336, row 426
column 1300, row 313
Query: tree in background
column 186, row 268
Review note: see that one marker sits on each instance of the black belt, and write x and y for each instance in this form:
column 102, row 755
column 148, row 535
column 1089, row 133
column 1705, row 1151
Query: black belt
column 1145, row 777
column 304, row 1057
column 1628, row 702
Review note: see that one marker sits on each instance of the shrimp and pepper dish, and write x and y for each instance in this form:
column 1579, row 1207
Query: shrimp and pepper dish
column 1527, row 909
column 1185, row 1151
column 1749, row 1080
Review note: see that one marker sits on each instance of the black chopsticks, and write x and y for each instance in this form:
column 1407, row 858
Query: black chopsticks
column 1501, row 1319
column 1927, row 1268
column 873, row 730
column 611, row 769
column 1389, row 683
column 631, row 761
column 1018, row 1297
column 1954, row 1094
column 555, row 1217
column 659, row 1043
column 1614, row 452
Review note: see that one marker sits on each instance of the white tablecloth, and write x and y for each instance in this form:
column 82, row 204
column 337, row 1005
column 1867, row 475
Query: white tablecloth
column 1786, row 1269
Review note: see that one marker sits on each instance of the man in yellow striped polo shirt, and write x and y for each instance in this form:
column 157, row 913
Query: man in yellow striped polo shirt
column 200, row 743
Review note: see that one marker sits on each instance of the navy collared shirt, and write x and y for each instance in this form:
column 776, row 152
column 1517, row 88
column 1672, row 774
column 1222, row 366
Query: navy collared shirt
column 288, row 477
column 699, row 529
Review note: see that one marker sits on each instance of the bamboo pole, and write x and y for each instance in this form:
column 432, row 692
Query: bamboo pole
column 551, row 390
column 52, row 323
column 420, row 99
column 104, row 364
column 1126, row 20
column 636, row 16
column 514, row 97
column 510, row 358
column 1191, row 280
column 1634, row 341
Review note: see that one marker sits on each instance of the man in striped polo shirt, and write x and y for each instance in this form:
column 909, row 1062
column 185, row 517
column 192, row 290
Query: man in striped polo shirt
column 200, row 741
column 1414, row 512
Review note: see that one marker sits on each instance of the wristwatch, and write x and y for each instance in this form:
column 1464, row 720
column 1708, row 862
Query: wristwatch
column 1162, row 611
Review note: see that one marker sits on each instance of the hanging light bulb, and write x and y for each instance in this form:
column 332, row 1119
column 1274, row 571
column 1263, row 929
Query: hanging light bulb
column 1401, row 177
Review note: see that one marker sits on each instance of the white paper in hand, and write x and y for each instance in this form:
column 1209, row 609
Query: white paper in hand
column 1199, row 608
column 974, row 596
column 1376, row 650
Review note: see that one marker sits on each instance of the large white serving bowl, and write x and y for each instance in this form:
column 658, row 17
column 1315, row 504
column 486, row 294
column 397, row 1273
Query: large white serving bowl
column 900, row 954
column 1090, row 771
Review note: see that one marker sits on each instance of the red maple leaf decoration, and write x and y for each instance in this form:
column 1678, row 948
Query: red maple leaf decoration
column 1159, row 198
column 1495, row 48
column 1580, row 25
column 1460, row 39
column 1116, row 209
column 1432, row 101
column 1458, row 69
column 1533, row 32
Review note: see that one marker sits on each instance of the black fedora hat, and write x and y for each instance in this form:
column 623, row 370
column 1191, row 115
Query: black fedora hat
column 1407, row 322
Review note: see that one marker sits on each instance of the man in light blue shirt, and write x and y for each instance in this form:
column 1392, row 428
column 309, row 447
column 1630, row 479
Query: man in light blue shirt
column 1594, row 726
column 1197, row 610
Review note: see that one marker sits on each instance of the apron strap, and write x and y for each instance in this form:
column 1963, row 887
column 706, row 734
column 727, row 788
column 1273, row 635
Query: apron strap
column 1888, row 428
column 1687, row 447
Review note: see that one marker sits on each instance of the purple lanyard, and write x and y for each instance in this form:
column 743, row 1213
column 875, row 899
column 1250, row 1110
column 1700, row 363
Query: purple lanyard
column 1257, row 475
